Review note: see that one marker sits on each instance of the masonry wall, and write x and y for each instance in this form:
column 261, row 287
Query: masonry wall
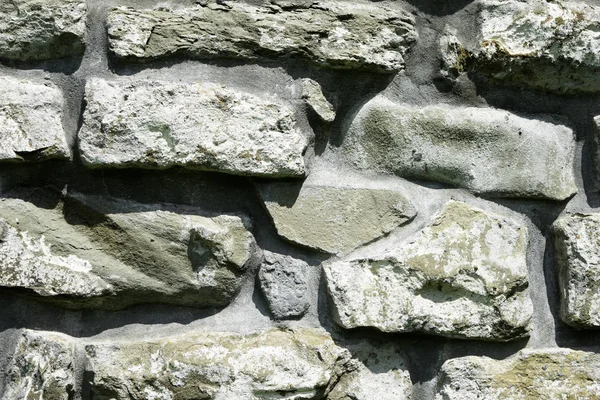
column 299, row 200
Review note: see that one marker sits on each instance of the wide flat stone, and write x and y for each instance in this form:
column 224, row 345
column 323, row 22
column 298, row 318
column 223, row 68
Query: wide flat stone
column 485, row 150
column 159, row 124
column 91, row 252
column 464, row 275
column 332, row 35
column 334, row 219
column 545, row 374
column 31, row 121
column 35, row 30
column 578, row 258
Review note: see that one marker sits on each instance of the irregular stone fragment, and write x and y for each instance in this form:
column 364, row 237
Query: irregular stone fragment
column 31, row 121
column 334, row 219
column 271, row 364
column 342, row 36
column 578, row 257
column 455, row 58
column 464, row 276
column 87, row 252
column 376, row 370
column 482, row 149
column 41, row 368
column 158, row 124
column 313, row 94
column 35, row 30
column 545, row 374
column 283, row 282
column 547, row 45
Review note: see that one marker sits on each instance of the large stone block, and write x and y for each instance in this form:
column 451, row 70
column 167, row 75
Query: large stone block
column 334, row 219
column 482, row 149
column 34, row 30
column 158, row 124
column 31, row 121
column 464, row 275
column 88, row 252
column 343, row 36
column 545, row 374
column 578, row 257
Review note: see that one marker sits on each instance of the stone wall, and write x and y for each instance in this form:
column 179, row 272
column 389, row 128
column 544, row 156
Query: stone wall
column 296, row 199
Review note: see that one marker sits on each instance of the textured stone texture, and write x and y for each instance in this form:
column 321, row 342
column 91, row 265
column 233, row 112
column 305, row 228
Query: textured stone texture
column 41, row 367
column 546, row 374
column 283, row 282
column 578, row 257
column 87, row 252
column 157, row 124
column 271, row 364
column 31, row 121
column 464, row 275
column 482, row 149
column 334, row 219
column 333, row 35
column 33, row 30
column 551, row 46
column 313, row 94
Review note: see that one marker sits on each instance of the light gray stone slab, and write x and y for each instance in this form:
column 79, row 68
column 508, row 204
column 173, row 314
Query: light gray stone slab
column 160, row 124
column 334, row 35
column 31, row 121
column 485, row 150
column 464, row 275
column 315, row 99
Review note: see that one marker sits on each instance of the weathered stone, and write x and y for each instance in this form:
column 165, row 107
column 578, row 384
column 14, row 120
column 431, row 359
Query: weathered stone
column 271, row 364
column 313, row 94
column 342, row 36
column 546, row 45
column 455, row 58
column 545, row 374
column 377, row 370
column 86, row 251
column 482, row 149
column 283, row 282
column 41, row 368
column 31, row 121
column 158, row 124
column 334, row 219
column 463, row 276
column 34, row 30
column 578, row 257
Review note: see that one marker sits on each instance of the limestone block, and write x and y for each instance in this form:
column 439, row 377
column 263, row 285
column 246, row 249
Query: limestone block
column 91, row 252
column 35, row 30
column 578, row 257
column 315, row 99
column 283, row 281
column 31, row 121
column 464, row 275
column 333, row 35
column 482, row 149
column 334, row 219
column 159, row 124
column 544, row 374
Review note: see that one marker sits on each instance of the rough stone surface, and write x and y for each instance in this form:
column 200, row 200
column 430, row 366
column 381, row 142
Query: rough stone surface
column 41, row 368
column 578, row 257
column 334, row 219
column 31, row 121
column 314, row 97
column 87, row 252
column 34, row 30
column 547, row 45
column 342, row 36
column 545, row 374
column 271, row 364
column 463, row 276
column 158, row 124
column 482, row 149
column 283, row 282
